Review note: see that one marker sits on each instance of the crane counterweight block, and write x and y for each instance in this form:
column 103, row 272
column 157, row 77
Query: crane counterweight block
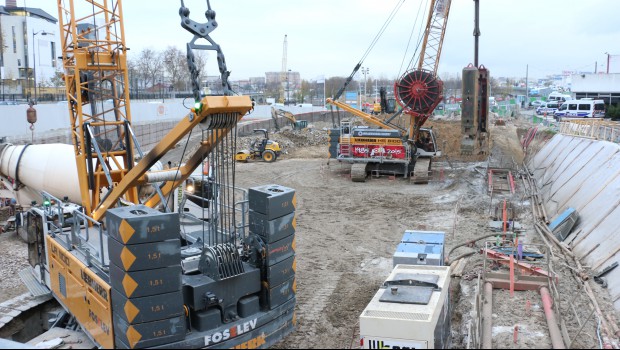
column 418, row 92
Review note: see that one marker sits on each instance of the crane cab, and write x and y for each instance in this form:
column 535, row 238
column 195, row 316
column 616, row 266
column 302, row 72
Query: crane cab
column 426, row 146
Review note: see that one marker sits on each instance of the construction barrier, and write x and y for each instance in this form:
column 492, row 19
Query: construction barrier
column 583, row 173
column 597, row 129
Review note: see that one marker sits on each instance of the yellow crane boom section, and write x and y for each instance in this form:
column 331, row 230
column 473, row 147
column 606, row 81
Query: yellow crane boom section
column 367, row 117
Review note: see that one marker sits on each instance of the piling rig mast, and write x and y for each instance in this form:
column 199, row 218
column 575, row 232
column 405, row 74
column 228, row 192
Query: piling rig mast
column 420, row 90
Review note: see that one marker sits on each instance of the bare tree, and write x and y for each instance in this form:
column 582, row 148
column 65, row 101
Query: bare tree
column 175, row 65
column 150, row 65
column 334, row 84
column 134, row 75
column 201, row 58
column 304, row 90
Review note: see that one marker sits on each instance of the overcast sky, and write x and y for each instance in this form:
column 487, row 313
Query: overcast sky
column 329, row 37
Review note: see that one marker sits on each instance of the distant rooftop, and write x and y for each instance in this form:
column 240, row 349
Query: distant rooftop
column 34, row 12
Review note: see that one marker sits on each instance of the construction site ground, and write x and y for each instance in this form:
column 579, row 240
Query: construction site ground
column 347, row 233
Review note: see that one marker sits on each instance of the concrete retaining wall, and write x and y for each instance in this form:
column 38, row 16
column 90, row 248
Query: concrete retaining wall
column 54, row 117
column 585, row 174
column 150, row 132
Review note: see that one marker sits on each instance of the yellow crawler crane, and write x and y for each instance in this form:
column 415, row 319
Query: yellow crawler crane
column 131, row 271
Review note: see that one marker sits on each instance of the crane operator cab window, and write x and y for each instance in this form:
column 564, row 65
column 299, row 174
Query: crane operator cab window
column 426, row 141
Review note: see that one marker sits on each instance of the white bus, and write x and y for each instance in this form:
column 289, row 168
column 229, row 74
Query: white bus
column 584, row 108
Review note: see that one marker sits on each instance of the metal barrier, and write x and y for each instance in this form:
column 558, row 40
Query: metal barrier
column 593, row 129
column 77, row 236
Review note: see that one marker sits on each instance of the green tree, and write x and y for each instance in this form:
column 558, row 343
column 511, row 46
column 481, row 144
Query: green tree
column 613, row 112
column 58, row 79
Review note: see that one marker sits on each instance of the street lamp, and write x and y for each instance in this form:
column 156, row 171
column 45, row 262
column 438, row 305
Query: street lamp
column 34, row 60
column 365, row 71
column 608, row 56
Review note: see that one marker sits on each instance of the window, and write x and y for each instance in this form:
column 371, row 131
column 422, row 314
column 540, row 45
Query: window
column 584, row 107
column 53, row 54
column 563, row 107
column 572, row 106
column 14, row 40
column 599, row 107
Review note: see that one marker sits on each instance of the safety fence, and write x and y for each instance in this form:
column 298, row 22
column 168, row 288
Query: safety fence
column 601, row 130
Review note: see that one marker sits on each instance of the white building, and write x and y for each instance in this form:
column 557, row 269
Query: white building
column 598, row 86
column 30, row 51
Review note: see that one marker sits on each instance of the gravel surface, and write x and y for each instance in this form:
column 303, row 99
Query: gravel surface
column 347, row 233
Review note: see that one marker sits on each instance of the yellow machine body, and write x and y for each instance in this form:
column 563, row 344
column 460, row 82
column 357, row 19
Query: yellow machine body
column 265, row 149
column 81, row 292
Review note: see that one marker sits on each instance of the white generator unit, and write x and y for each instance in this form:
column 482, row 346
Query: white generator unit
column 420, row 248
column 410, row 311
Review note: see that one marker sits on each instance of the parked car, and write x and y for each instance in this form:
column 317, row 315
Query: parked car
column 536, row 104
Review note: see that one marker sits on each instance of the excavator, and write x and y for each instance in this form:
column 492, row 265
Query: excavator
column 125, row 265
column 280, row 113
column 394, row 149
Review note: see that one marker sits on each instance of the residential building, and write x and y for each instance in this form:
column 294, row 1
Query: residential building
column 30, row 50
column 294, row 79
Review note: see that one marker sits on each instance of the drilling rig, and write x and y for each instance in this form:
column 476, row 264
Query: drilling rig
column 395, row 149
column 475, row 89
column 130, row 271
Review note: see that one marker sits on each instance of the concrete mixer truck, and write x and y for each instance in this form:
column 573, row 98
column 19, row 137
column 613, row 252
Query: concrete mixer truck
column 26, row 171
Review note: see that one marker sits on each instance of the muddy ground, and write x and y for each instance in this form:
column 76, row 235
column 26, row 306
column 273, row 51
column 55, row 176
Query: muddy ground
column 13, row 258
column 347, row 233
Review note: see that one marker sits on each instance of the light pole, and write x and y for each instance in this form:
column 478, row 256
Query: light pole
column 608, row 56
column 376, row 90
column 34, row 61
column 365, row 71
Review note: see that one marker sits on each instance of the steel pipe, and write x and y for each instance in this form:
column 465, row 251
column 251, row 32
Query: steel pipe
column 487, row 317
column 552, row 324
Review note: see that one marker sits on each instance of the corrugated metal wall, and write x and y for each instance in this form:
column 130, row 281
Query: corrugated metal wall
column 585, row 174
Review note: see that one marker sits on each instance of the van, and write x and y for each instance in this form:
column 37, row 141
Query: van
column 548, row 108
column 584, row 108
column 559, row 97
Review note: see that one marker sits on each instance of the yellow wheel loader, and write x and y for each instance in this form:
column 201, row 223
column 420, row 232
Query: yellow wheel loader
column 265, row 149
